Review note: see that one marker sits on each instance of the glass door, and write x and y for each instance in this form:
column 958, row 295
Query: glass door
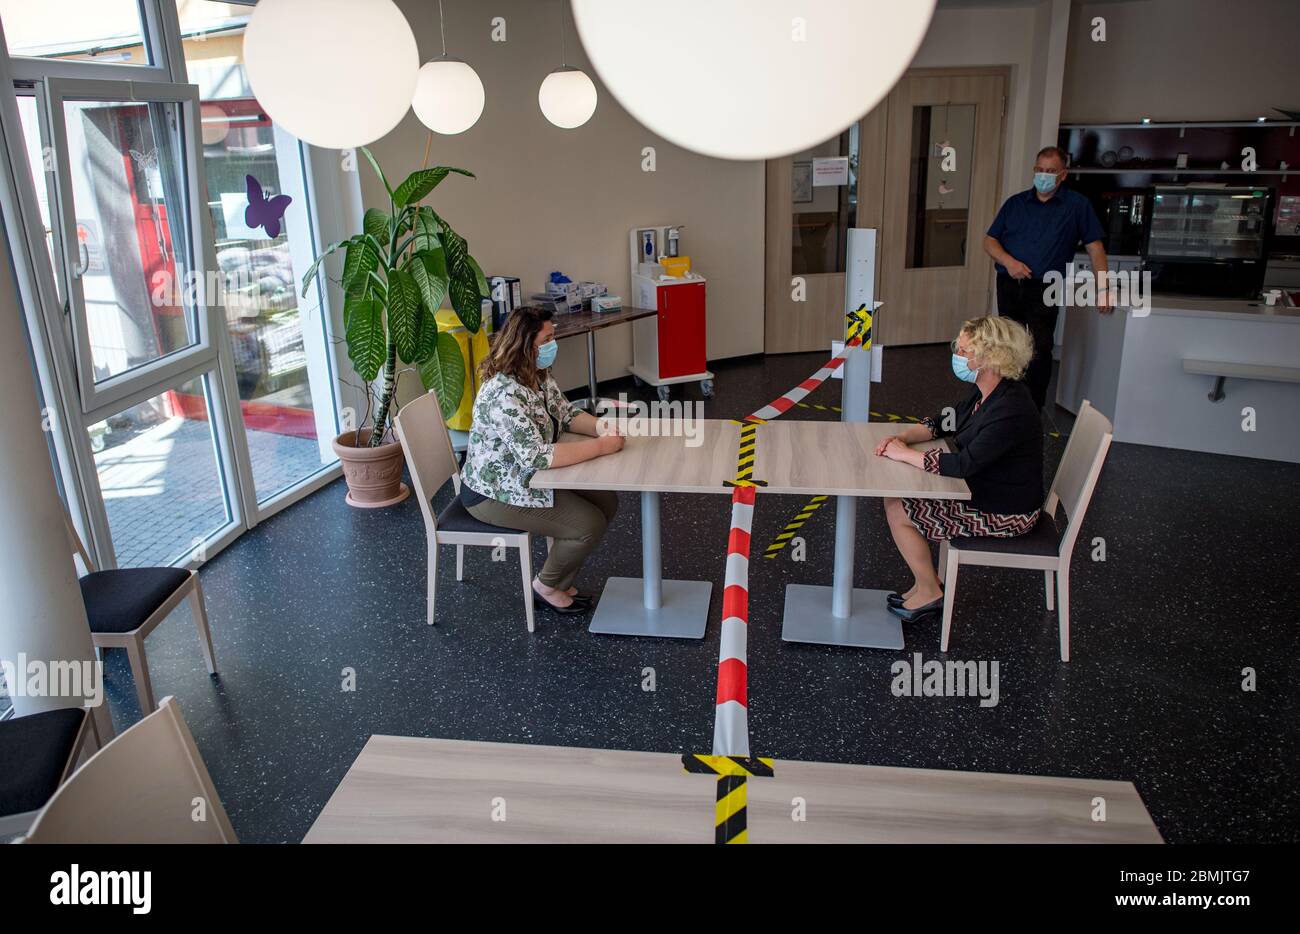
column 194, row 383
column 141, row 303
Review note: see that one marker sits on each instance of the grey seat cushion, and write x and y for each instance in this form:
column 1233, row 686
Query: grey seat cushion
column 35, row 751
column 122, row 599
column 1043, row 539
column 456, row 518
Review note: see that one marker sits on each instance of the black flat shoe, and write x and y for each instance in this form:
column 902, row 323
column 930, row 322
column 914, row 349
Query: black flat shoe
column 573, row 609
column 921, row 612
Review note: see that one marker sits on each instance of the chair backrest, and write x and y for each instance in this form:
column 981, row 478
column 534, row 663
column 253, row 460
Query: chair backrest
column 427, row 445
column 78, row 546
column 149, row 785
column 1076, row 476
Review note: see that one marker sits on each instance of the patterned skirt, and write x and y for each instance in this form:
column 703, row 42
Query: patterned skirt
column 942, row 519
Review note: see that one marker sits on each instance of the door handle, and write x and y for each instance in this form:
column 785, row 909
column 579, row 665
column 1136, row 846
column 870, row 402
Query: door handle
column 83, row 260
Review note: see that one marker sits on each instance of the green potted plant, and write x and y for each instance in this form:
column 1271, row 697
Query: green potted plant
column 396, row 273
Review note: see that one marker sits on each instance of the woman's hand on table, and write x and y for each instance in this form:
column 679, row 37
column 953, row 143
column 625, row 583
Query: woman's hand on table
column 610, row 443
column 896, row 449
column 880, row 448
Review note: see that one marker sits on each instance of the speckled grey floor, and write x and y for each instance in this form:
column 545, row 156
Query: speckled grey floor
column 1199, row 582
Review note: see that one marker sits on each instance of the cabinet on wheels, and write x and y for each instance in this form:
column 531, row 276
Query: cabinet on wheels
column 669, row 347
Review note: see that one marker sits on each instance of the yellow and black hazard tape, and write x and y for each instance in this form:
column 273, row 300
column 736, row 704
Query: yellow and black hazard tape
column 859, row 326
column 745, row 456
column 730, row 812
column 756, row 767
column 794, row 525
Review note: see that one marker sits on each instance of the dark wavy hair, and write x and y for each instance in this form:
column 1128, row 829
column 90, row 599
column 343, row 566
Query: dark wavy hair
column 512, row 350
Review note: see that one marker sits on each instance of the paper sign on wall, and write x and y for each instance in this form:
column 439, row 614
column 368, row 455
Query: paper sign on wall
column 830, row 171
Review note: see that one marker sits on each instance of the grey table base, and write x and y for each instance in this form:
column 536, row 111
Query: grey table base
column 869, row 625
column 649, row 605
column 683, row 612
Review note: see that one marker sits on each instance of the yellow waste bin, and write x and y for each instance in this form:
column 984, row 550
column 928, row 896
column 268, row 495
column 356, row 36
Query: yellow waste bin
column 473, row 350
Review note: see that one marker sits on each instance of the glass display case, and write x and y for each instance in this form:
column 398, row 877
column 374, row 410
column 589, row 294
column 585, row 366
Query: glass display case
column 1208, row 223
column 1208, row 239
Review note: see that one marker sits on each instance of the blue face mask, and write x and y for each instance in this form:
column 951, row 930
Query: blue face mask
column 546, row 354
column 962, row 370
column 1045, row 182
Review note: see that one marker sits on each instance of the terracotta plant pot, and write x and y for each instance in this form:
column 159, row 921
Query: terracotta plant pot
column 374, row 475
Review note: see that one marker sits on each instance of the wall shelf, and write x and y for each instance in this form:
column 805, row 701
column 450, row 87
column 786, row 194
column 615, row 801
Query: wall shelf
column 1145, row 171
column 1182, row 125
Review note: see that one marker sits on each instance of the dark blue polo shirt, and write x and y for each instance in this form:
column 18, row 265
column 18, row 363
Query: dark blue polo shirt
column 1044, row 234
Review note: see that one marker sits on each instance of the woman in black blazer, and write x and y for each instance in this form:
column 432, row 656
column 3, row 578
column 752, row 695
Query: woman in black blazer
column 998, row 440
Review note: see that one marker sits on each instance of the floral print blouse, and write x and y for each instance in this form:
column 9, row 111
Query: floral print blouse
column 513, row 436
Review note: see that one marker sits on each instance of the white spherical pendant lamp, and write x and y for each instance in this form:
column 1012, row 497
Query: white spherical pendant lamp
column 334, row 73
column 448, row 96
column 567, row 97
column 751, row 79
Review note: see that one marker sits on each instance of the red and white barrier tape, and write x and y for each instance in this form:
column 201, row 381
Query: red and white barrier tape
column 731, row 720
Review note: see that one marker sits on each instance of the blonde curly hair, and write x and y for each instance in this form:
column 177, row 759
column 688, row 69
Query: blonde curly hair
column 998, row 344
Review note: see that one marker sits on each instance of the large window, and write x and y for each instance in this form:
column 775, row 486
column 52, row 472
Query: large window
column 76, row 30
column 160, row 476
column 278, row 340
column 197, row 383
column 128, row 201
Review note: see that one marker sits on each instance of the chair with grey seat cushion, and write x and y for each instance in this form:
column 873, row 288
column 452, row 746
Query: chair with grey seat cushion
column 123, row 605
column 431, row 461
column 39, row 752
column 1050, row 544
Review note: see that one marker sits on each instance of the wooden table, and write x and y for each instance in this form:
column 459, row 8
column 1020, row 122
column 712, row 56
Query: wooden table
column 649, row 605
column 839, row 459
column 792, row 456
column 409, row 790
column 589, row 322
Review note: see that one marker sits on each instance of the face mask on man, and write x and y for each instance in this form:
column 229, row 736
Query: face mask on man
column 1045, row 182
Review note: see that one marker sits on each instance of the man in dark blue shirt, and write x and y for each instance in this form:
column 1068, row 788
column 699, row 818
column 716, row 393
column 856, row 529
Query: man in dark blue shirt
column 1031, row 240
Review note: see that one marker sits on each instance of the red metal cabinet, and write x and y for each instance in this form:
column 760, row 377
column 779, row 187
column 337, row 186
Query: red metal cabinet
column 681, row 329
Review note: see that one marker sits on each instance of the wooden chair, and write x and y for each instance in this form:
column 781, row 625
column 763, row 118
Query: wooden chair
column 124, row 605
column 39, row 752
column 149, row 785
column 423, row 435
column 1047, row 547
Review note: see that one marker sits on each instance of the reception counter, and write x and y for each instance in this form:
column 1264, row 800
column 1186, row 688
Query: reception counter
column 1200, row 374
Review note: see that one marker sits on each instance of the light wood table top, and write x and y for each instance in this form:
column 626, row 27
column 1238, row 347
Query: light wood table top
column 838, row 458
column 656, row 464
column 793, row 456
column 411, row 790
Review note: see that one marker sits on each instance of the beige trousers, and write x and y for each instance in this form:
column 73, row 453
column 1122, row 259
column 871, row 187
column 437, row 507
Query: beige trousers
column 577, row 522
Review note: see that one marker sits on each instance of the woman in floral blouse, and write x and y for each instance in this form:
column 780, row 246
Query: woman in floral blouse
column 998, row 440
column 519, row 416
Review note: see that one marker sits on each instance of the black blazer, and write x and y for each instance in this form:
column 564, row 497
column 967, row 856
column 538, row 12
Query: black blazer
column 999, row 449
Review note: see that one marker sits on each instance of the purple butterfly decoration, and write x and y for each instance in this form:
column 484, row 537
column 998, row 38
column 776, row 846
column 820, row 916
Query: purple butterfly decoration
column 262, row 211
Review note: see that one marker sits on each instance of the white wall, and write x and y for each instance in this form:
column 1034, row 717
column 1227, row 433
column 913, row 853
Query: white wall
column 1029, row 39
column 1183, row 60
column 547, row 198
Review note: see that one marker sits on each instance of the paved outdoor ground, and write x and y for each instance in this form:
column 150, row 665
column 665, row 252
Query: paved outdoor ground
column 164, row 493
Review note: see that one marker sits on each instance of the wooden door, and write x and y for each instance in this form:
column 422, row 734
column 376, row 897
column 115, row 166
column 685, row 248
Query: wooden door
column 807, row 234
column 941, row 169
